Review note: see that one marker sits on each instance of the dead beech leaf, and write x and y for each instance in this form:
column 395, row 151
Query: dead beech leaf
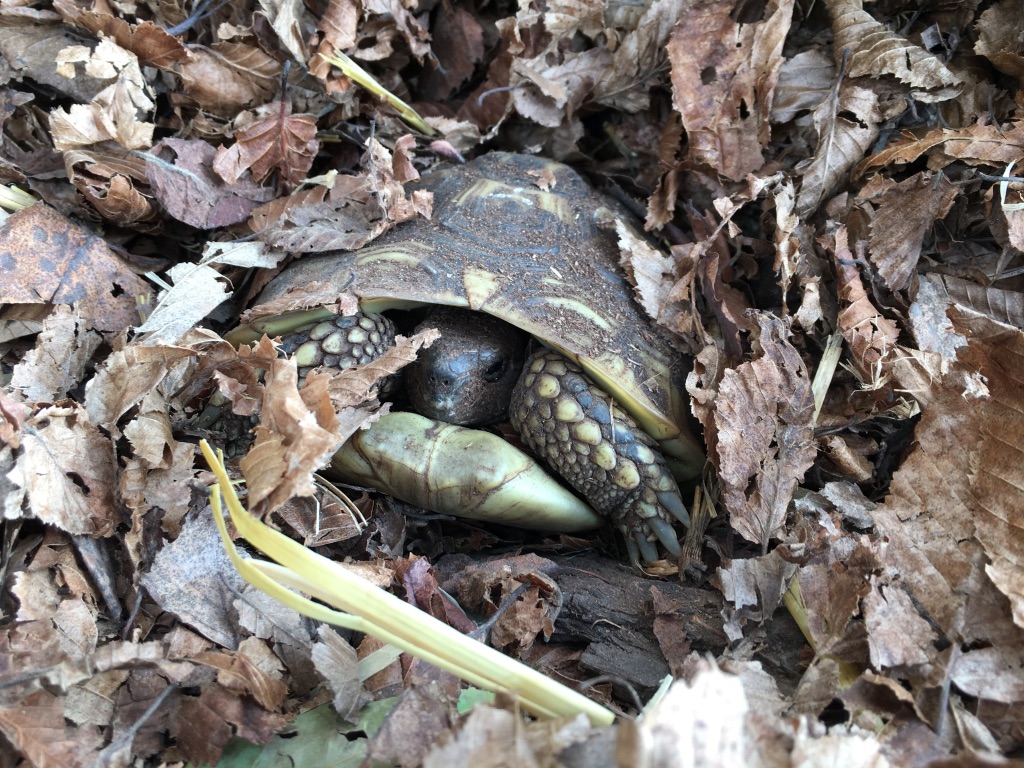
column 875, row 50
column 291, row 22
column 906, row 213
column 804, row 82
column 182, row 180
column 280, row 141
column 871, row 336
column 458, row 44
column 36, row 727
column 69, row 475
column 336, row 662
column 44, row 257
column 297, row 434
column 723, row 92
column 842, row 142
column 115, row 185
column 996, row 352
column 1000, row 31
column 238, row 672
column 228, row 77
column 763, row 415
column 191, row 578
column 975, row 145
column 153, row 45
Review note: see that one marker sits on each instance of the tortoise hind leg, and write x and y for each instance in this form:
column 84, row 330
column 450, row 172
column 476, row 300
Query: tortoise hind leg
column 599, row 450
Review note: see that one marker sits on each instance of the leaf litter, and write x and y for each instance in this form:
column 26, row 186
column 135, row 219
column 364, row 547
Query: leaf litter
column 805, row 174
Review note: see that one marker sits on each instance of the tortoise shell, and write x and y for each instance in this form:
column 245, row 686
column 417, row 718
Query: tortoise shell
column 517, row 237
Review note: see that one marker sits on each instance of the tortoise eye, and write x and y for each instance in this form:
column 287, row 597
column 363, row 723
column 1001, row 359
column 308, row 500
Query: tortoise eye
column 495, row 372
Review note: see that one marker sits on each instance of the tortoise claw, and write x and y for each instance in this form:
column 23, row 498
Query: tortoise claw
column 648, row 551
column 666, row 535
column 631, row 548
column 673, row 502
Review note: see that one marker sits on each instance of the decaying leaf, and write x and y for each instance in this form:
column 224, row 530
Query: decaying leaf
column 763, row 417
column 44, row 257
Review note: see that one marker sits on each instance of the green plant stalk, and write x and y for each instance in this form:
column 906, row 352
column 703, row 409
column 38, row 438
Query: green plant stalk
column 359, row 75
column 371, row 610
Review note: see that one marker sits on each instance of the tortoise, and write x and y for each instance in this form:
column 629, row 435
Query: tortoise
column 518, row 238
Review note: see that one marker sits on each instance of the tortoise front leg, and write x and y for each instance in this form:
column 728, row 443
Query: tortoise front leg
column 599, row 450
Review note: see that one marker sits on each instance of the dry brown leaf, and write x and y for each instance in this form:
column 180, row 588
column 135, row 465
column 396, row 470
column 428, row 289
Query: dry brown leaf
column 69, row 471
column 228, row 77
column 870, row 336
column 36, row 727
column 335, row 661
column 204, row 724
column 872, row 50
column 763, row 414
column 842, row 142
column 298, row 433
column 116, row 112
column 906, row 213
column 57, row 363
column 115, row 185
column 724, row 91
column 1000, row 36
column 151, row 43
column 975, row 145
column 280, row 141
column 291, row 22
column 196, row 292
column 458, row 45
column 240, row 671
column 44, row 257
column 996, row 352
column 804, row 82
column 192, row 578
column 182, row 180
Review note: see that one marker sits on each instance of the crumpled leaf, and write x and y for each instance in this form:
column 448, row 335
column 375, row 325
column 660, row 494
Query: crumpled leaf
column 188, row 578
column 870, row 335
column 724, row 92
column 996, row 145
column 875, row 50
column 197, row 290
column 1000, row 31
column 58, row 362
column 72, row 480
column 763, row 415
column 115, row 112
column 227, row 77
column 280, row 141
column 842, row 142
column 182, row 180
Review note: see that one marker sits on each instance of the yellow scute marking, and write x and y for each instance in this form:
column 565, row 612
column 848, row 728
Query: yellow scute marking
column 480, row 285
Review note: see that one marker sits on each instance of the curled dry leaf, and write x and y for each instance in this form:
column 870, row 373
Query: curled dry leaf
column 763, row 415
column 152, row 44
column 842, row 142
column 57, row 363
column 196, row 292
column 1000, row 32
column 975, row 145
column 69, row 475
column 228, row 77
column 115, row 113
